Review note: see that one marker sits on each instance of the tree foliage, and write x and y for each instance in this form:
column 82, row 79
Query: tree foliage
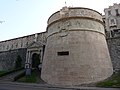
column 18, row 63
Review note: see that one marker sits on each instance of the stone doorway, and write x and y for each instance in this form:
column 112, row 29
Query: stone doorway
column 34, row 56
column 35, row 60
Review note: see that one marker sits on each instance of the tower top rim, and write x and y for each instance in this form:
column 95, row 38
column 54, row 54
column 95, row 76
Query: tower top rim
column 75, row 8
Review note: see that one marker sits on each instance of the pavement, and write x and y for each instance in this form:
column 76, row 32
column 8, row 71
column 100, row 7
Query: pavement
column 7, row 80
column 57, row 87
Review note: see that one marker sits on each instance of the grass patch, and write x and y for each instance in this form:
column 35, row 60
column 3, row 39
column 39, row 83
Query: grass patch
column 30, row 78
column 113, row 81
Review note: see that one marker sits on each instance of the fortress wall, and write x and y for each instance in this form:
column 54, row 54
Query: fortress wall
column 8, row 58
column 42, row 37
column 21, row 42
column 17, row 43
column 114, row 49
column 76, row 24
column 10, row 49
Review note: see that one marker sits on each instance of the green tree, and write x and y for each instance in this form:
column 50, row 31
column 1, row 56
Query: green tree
column 18, row 63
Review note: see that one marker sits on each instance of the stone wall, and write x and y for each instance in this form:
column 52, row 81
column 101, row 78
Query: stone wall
column 76, row 51
column 8, row 58
column 10, row 49
column 21, row 42
column 74, row 12
column 114, row 49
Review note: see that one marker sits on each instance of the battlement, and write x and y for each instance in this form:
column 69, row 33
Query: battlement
column 75, row 18
column 66, row 12
column 21, row 42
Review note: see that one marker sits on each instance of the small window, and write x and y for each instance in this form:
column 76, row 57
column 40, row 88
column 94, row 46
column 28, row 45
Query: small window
column 63, row 53
column 117, row 13
column 109, row 12
column 116, row 30
column 112, row 21
column 112, row 33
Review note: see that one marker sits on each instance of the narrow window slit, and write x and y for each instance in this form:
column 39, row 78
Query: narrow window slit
column 63, row 53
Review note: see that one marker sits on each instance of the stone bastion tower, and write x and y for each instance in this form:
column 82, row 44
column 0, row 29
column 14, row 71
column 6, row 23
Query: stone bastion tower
column 76, row 51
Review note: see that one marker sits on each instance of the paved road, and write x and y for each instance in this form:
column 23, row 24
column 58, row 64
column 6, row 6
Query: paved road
column 22, row 86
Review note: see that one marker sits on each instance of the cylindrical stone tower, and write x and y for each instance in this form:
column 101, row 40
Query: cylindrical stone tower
column 76, row 51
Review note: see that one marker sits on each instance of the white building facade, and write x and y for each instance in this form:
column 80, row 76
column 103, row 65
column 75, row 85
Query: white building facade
column 112, row 20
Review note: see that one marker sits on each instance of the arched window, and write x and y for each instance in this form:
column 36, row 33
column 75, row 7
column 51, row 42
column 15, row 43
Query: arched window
column 117, row 12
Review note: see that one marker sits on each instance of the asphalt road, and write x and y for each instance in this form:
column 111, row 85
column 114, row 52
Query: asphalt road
column 14, row 86
column 19, row 87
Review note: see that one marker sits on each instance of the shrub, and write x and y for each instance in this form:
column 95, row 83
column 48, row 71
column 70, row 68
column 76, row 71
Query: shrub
column 18, row 63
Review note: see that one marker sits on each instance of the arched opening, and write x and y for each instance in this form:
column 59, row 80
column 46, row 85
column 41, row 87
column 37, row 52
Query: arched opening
column 35, row 60
column 35, row 65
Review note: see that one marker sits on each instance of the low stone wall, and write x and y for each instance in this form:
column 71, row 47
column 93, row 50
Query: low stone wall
column 8, row 58
column 114, row 49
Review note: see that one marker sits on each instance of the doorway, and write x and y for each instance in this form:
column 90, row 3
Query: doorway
column 35, row 60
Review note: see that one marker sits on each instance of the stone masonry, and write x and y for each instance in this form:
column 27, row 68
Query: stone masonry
column 10, row 49
column 84, row 25
column 76, row 51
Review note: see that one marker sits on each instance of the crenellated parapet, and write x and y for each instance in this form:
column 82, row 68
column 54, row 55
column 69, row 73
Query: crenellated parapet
column 74, row 12
column 21, row 42
column 75, row 19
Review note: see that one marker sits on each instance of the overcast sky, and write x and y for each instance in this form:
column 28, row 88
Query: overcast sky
column 25, row 17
